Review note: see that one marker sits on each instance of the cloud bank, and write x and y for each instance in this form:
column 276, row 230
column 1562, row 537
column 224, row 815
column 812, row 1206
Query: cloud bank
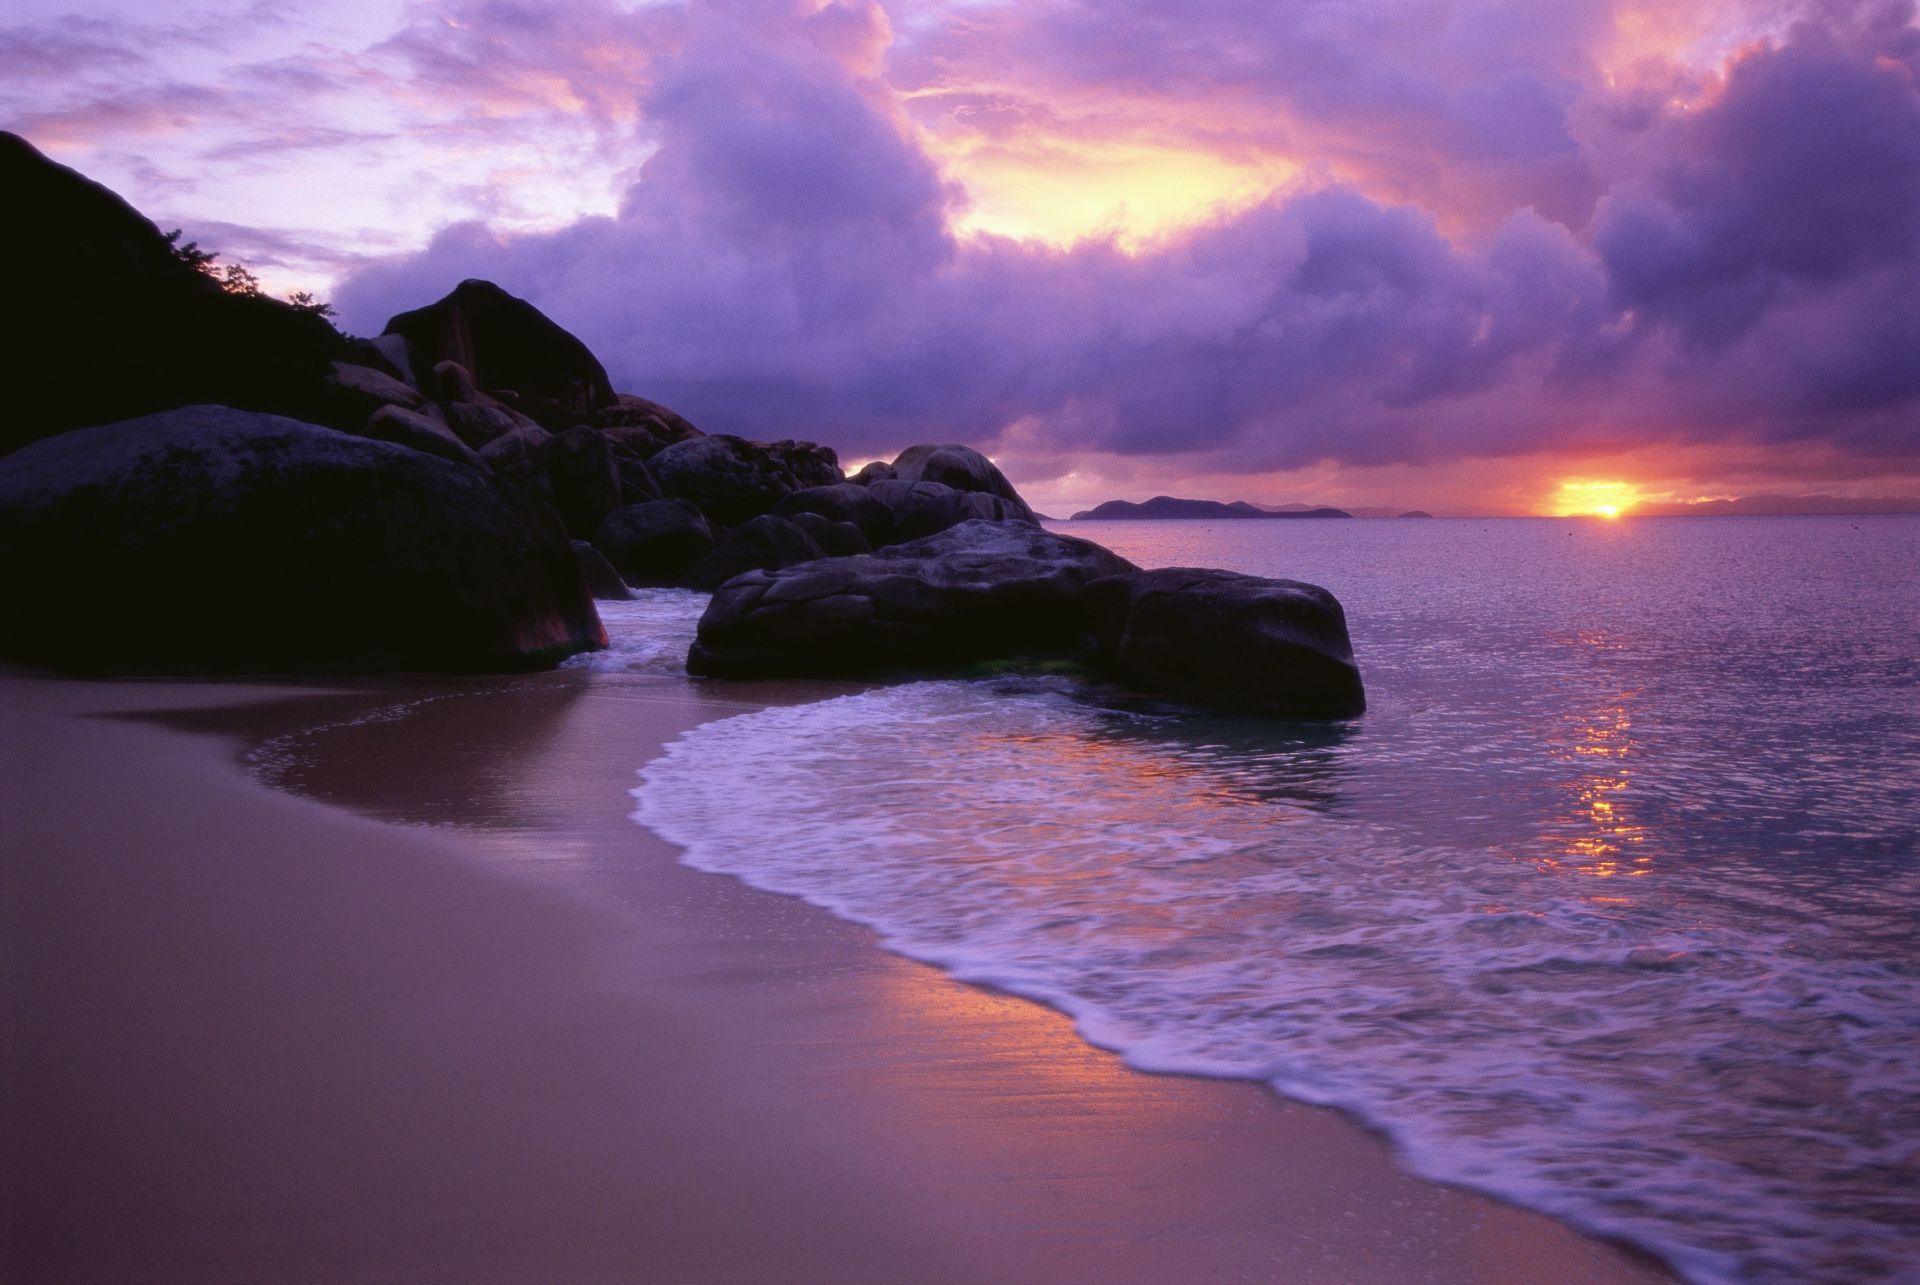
column 1437, row 232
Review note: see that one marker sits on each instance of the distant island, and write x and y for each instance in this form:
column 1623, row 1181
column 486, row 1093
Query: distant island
column 1166, row 507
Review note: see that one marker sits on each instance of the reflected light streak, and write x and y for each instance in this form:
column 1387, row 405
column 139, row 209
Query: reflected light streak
column 1600, row 837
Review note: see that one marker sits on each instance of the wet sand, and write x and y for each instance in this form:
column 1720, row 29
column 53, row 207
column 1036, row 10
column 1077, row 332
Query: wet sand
column 435, row 1010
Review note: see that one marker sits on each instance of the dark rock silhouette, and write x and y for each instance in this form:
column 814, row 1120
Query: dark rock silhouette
column 105, row 322
column 213, row 540
column 843, row 502
column 405, row 428
column 1416, row 513
column 730, row 479
column 1221, row 638
column 925, row 508
column 838, row 539
column 963, row 469
column 976, row 591
column 603, row 582
column 1168, row 508
column 764, row 543
column 582, row 479
column 506, row 343
column 628, row 411
column 654, row 543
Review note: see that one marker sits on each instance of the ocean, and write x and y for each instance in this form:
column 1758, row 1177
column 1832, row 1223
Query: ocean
column 1609, row 905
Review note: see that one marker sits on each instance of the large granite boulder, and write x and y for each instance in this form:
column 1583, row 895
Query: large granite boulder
column 603, row 582
column 654, row 543
column 837, row 539
column 357, row 392
column 960, row 467
column 478, row 423
column 421, row 433
column 628, row 411
column 104, row 321
column 583, row 478
column 977, row 591
column 731, row 479
column 1221, row 638
column 506, row 343
column 924, row 508
column 844, row 502
column 212, row 540
column 765, row 543
column 520, row 455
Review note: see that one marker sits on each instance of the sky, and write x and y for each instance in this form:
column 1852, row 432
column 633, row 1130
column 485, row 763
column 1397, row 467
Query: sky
column 1470, row 256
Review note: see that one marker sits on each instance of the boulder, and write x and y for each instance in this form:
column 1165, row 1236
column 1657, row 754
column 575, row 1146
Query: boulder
column 731, row 479
column 506, row 343
column 636, row 480
column 960, row 467
column 1236, row 641
column 518, row 456
column 977, row 591
column 636, row 439
column 838, row 539
column 452, row 382
column 843, row 502
column 924, row 508
column 212, row 540
column 391, row 353
column 627, row 410
column 484, row 421
column 104, row 321
column 603, row 582
column 763, row 543
column 406, row 428
column 877, row 471
column 356, row 392
column 583, row 478
column 654, row 543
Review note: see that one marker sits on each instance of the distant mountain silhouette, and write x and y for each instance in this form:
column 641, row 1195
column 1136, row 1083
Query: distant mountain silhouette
column 1167, row 507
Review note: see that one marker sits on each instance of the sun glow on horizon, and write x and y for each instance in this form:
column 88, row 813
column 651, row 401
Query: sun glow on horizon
column 1586, row 497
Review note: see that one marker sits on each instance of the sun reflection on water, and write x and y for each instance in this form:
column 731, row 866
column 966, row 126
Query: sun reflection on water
column 1599, row 835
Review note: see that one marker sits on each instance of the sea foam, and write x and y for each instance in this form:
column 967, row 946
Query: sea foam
column 1657, row 1058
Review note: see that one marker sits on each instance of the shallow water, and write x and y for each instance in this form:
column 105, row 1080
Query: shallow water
column 1608, row 905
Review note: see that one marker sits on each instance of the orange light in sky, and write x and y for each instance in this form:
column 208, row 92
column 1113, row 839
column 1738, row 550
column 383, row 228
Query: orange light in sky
column 1584, row 497
column 1059, row 191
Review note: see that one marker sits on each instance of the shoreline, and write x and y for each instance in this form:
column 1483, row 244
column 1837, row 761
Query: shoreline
column 437, row 1010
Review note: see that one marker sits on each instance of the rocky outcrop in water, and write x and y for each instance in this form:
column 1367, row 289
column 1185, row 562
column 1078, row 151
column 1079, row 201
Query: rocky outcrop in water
column 1243, row 642
column 977, row 591
column 212, row 540
column 654, row 542
column 477, row 435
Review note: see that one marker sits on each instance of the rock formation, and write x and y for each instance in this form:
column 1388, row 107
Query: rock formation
column 976, row 591
column 1221, row 638
column 212, row 540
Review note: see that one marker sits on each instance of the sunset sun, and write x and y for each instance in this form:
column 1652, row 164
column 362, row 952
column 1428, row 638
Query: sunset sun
column 1589, row 497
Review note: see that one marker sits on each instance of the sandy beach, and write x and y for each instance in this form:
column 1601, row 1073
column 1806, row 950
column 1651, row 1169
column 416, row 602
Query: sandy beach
column 437, row 1011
